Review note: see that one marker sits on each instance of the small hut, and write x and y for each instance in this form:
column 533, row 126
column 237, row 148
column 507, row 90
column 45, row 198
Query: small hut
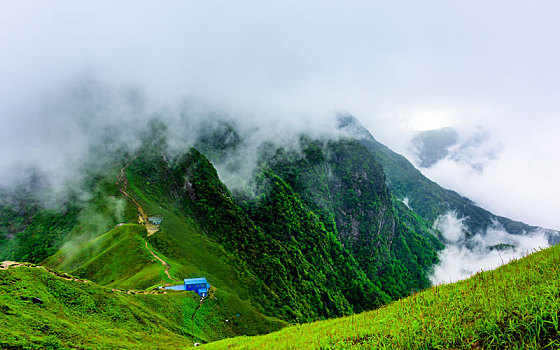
column 156, row 220
column 199, row 285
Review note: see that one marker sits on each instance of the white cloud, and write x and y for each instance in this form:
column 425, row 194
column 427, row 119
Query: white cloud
column 518, row 179
column 451, row 227
column 465, row 255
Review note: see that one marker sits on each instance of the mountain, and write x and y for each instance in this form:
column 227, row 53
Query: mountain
column 299, row 250
column 513, row 307
column 319, row 229
column 471, row 148
column 301, row 265
column 426, row 197
column 344, row 184
column 433, row 145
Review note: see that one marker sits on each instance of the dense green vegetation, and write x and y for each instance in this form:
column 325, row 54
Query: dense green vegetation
column 31, row 233
column 70, row 314
column 321, row 238
column 516, row 306
column 192, row 187
column 331, row 277
column 343, row 183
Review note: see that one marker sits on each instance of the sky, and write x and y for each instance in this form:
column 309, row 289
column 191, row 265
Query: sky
column 398, row 66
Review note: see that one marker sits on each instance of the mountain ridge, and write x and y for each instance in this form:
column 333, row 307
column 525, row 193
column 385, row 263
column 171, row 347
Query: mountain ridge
column 323, row 233
column 404, row 179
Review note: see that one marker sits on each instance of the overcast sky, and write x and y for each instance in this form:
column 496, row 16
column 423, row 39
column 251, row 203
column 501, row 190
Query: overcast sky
column 398, row 66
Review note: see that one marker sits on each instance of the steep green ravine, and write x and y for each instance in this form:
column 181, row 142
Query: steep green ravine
column 342, row 182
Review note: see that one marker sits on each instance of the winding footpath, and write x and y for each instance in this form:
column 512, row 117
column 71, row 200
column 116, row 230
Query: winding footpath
column 7, row 264
column 166, row 265
column 4, row 265
column 122, row 183
column 143, row 219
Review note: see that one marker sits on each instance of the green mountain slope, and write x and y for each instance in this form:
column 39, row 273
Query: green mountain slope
column 45, row 309
column 190, row 186
column 118, row 258
column 31, row 233
column 516, row 306
column 322, row 234
column 344, row 184
column 331, row 276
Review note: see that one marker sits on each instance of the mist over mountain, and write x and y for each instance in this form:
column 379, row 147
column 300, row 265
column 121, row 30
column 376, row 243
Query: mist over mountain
column 243, row 59
column 473, row 236
column 296, row 220
column 433, row 145
column 310, row 160
column 113, row 124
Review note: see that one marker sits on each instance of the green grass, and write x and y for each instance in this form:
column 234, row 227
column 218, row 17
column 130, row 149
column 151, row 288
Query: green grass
column 85, row 315
column 190, row 252
column 118, row 258
column 516, row 306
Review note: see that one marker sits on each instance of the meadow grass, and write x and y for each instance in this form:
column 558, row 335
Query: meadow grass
column 117, row 258
column 83, row 315
column 516, row 306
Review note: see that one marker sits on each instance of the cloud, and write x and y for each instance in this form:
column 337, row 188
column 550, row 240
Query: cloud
column 465, row 254
column 294, row 62
column 512, row 172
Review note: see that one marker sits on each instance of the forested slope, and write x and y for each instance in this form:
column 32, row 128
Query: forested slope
column 513, row 307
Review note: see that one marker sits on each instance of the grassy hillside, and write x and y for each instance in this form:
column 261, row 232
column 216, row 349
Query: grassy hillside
column 516, row 306
column 31, row 232
column 77, row 314
column 118, row 258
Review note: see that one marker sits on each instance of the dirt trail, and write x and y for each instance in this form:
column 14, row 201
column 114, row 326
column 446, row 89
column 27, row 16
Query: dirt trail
column 8, row 264
column 143, row 218
column 166, row 265
column 122, row 182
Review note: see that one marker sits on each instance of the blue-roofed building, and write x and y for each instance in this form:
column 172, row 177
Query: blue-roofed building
column 156, row 220
column 199, row 285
